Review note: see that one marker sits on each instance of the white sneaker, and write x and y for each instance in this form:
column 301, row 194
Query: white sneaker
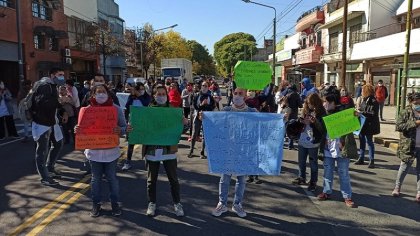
column 178, row 209
column 237, row 208
column 151, row 209
column 126, row 166
column 219, row 210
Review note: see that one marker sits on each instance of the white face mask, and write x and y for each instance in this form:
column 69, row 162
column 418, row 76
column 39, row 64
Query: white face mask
column 87, row 86
column 2, row 85
column 161, row 99
column 101, row 98
column 98, row 83
column 238, row 100
column 204, row 90
column 328, row 106
column 141, row 92
column 251, row 94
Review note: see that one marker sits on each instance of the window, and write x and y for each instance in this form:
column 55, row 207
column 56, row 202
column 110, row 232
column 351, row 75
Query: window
column 416, row 22
column 80, row 34
column 7, row 3
column 41, row 10
column 356, row 34
column 39, row 42
column 333, row 43
column 52, row 44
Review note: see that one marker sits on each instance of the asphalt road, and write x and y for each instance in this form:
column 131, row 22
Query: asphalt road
column 274, row 207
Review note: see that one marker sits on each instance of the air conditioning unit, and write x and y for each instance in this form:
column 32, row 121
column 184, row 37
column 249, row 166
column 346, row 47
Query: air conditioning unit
column 68, row 60
column 67, row 52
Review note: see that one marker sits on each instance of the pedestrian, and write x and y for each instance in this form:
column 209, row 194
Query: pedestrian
column 98, row 79
column 73, row 93
column 268, row 97
column 239, row 105
column 308, row 88
column 154, row 155
column 137, row 98
column 408, row 124
column 67, row 103
column 186, row 96
column 252, row 100
column 346, row 101
column 230, row 88
column 311, row 139
column 174, row 95
column 202, row 102
column 104, row 161
column 293, row 103
column 195, row 93
column 358, row 90
column 369, row 108
column 45, row 125
column 84, row 90
column 381, row 94
column 27, row 85
column 6, row 113
column 337, row 150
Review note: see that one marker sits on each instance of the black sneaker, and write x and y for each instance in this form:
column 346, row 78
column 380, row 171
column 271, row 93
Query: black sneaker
column 54, row 174
column 116, row 209
column 250, row 180
column 96, row 209
column 299, row 181
column 312, row 187
column 49, row 182
column 190, row 155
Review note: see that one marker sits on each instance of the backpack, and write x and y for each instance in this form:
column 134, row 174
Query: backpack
column 28, row 102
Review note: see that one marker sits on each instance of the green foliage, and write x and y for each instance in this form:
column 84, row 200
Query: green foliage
column 202, row 60
column 232, row 48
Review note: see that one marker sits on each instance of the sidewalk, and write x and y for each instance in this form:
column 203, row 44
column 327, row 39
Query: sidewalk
column 388, row 136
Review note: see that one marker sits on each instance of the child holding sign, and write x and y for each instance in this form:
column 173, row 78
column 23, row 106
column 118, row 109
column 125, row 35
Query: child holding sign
column 338, row 150
column 104, row 161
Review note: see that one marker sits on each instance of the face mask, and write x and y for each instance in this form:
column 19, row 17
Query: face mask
column 343, row 93
column 251, row 94
column 161, row 99
column 380, row 84
column 87, row 86
column 101, row 98
column 98, row 83
column 59, row 80
column 416, row 108
column 1, row 86
column 141, row 92
column 238, row 100
column 204, row 90
column 189, row 89
column 328, row 106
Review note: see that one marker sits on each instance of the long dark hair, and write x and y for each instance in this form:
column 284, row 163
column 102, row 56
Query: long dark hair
column 316, row 102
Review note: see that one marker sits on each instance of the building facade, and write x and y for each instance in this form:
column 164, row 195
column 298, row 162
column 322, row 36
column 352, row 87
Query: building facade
column 44, row 40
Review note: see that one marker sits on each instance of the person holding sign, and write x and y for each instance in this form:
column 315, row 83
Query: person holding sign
column 138, row 98
column 310, row 139
column 369, row 108
column 339, row 150
column 408, row 124
column 104, row 161
column 155, row 154
column 239, row 105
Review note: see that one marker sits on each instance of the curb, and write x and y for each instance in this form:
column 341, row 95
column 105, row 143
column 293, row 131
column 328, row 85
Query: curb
column 387, row 142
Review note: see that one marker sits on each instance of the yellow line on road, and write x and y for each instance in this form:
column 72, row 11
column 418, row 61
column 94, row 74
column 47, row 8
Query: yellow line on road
column 48, row 207
column 35, row 231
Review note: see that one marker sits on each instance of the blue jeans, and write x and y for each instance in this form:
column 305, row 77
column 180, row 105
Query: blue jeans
column 224, row 189
column 381, row 109
column 303, row 154
column 343, row 173
column 369, row 139
column 404, row 168
column 46, row 154
column 109, row 169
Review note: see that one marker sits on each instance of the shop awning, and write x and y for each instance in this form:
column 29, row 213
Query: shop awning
column 339, row 20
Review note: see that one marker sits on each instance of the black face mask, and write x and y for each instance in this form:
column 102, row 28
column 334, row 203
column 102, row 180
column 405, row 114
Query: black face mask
column 168, row 83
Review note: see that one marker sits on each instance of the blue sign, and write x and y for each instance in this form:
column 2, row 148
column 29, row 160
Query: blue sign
column 244, row 143
column 362, row 122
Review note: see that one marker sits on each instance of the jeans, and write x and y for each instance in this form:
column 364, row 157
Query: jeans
column 369, row 139
column 343, row 173
column 303, row 153
column 46, row 154
column 10, row 125
column 130, row 150
column 196, row 133
column 187, row 111
column 152, row 176
column 68, row 129
column 110, row 171
column 291, row 143
column 404, row 167
column 224, row 189
column 381, row 109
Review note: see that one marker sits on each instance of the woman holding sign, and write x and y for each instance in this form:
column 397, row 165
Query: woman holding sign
column 155, row 154
column 103, row 161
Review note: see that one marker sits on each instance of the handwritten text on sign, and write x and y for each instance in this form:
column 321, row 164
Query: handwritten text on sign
column 96, row 126
column 244, row 143
column 252, row 75
column 341, row 123
column 155, row 125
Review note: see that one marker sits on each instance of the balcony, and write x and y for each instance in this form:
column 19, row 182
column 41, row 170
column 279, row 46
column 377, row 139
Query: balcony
column 333, row 53
column 308, row 55
column 7, row 3
column 311, row 17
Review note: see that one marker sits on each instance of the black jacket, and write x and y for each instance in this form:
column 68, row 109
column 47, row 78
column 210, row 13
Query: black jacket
column 200, row 98
column 45, row 104
column 370, row 109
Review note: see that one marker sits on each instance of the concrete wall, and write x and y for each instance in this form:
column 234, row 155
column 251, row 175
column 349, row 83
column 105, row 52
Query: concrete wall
column 383, row 17
column 84, row 9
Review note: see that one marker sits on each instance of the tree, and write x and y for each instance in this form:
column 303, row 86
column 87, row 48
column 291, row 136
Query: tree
column 232, row 48
column 202, row 60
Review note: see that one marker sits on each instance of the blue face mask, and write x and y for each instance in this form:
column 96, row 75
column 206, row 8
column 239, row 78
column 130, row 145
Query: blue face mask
column 61, row 77
column 417, row 108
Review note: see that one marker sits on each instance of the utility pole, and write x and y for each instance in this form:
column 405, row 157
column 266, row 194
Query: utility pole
column 406, row 56
column 20, row 54
column 344, row 49
column 274, row 45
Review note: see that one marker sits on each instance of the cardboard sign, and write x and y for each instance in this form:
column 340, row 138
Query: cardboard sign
column 122, row 99
column 362, row 123
column 244, row 143
column 252, row 75
column 96, row 126
column 341, row 123
column 155, row 125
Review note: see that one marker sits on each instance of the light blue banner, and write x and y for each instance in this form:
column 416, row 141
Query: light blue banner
column 362, row 122
column 244, row 143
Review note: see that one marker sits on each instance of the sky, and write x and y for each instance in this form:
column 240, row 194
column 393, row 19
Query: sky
column 208, row 21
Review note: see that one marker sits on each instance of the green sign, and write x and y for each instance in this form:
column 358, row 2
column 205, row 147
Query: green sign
column 252, row 75
column 155, row 125
column 341, row 123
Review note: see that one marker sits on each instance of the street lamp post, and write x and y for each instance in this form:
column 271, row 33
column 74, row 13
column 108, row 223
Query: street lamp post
column 274, row 32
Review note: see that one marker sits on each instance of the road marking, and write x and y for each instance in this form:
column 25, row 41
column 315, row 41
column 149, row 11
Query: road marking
column 12, row 141
column 35, row 231
column 48, row 207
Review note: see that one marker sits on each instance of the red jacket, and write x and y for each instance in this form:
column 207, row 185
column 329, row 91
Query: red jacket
column 381, row 93
column 175, row 98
